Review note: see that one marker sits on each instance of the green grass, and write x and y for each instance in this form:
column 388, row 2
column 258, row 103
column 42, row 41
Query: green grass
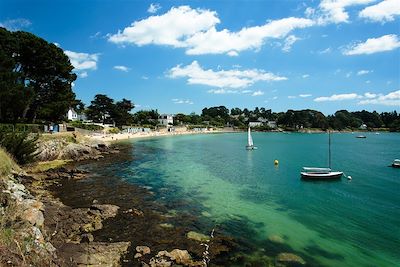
column 47, row 165
column 7, row 164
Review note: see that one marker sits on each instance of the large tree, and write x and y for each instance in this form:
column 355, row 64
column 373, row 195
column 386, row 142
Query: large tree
column 36, row 78
column 101, row 109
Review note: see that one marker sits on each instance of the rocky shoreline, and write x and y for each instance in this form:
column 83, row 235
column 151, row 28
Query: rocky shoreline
column 78, row 218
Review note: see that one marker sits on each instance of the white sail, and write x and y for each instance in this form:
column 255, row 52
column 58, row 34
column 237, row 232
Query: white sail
column 249, row 139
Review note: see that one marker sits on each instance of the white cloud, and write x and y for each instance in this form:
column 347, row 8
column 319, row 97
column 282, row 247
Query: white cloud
column 57, row 44
column 333, row 11
column 257, row 93
column 83, row 74
column 289, row 41
column 391, row 99
column 339, row 97
column 121, row 68
column 305, row 76
column 368, row 81
column 153, row 8
column 232, row 79
column 370, row 95
column 171, row 28
column 382, row 12
column 15, row 24
column 222, row 91
column 348, row 74
column 325, row 51
column 363, row 72
column 182, row 101
column 145, row 77
column 305, row 95
column 195, row 30
column 374, row 45
column 82, row 61
column 291, row 97
column 274, row 98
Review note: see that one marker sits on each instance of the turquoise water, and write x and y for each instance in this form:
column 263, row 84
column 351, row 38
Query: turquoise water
column 343, row 223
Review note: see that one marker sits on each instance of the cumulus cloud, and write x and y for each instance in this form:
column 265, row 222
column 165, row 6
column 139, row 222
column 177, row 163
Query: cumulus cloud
column 333, row 11
column 339, row 97
column 15, row 24
column 121, row 68
column 182, row 101
column 363, row 72
column 153, row 8
column 374, row 45
column 227, row 79
column 370, row 95
column 390, row 99
column 257, row 93
column 382, row 12
column 82, row 61
column 195, row 30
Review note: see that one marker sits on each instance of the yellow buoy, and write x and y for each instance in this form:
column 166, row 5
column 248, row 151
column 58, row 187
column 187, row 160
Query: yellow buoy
column 276, row 162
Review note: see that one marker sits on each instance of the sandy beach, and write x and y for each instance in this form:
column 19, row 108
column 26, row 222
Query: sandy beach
column 107, row 137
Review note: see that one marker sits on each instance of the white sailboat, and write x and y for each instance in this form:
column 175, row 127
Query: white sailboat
column 321, row 173
column 250, row 144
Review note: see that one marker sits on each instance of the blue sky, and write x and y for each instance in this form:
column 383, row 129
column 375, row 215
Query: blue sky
column 182, row 56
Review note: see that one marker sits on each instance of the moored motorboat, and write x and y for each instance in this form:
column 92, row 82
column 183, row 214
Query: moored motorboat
column 396, row 163
column 361, row 136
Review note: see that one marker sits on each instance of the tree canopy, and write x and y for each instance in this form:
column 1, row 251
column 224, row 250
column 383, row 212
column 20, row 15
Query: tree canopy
column 35, row 79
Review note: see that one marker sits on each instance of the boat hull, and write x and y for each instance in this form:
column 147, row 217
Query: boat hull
column 396, row 165
column 251, row 147
column 321, row 175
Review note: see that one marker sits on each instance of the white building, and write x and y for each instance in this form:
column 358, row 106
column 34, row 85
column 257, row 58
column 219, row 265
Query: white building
column 363, row 126
column 272, row 124
column 72, row 115
column 165, row 119
column 255, row 124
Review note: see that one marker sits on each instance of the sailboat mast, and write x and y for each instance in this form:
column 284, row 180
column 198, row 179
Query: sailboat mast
column 329, row 133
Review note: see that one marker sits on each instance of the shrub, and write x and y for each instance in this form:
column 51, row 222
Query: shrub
column 21, row 146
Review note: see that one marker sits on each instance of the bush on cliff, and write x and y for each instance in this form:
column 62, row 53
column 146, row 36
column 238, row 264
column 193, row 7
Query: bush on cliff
column 21, row 146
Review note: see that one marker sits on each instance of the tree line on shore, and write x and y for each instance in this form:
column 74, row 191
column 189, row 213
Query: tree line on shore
column 36, row 80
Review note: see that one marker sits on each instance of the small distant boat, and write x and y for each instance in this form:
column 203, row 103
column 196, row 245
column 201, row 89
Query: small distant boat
column 250, row 144
column 361, row 136
column 396, row 163
column 313, row 173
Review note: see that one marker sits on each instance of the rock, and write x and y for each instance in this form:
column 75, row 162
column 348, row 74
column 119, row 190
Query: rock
column 197, row 236
column 137, row 255
column 289, row 258
column 166, row 225
column 33, row 215
column 134, row 211
column 102, row 254
column 143, row 250
column 276, row 239
column 106, row 210
column 86, row 238
column 181, row 256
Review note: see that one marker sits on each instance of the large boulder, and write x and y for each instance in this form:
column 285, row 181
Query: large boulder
column 102, row 254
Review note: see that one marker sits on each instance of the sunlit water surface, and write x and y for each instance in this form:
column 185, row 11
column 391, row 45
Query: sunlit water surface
column 343, row 223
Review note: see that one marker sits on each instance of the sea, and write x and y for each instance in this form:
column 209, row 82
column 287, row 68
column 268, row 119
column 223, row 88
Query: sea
column 268, row 207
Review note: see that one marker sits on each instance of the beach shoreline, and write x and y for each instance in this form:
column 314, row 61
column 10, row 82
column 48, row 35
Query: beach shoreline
column 114, row 137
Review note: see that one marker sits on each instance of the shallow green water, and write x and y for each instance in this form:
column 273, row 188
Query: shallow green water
column 342, row 223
